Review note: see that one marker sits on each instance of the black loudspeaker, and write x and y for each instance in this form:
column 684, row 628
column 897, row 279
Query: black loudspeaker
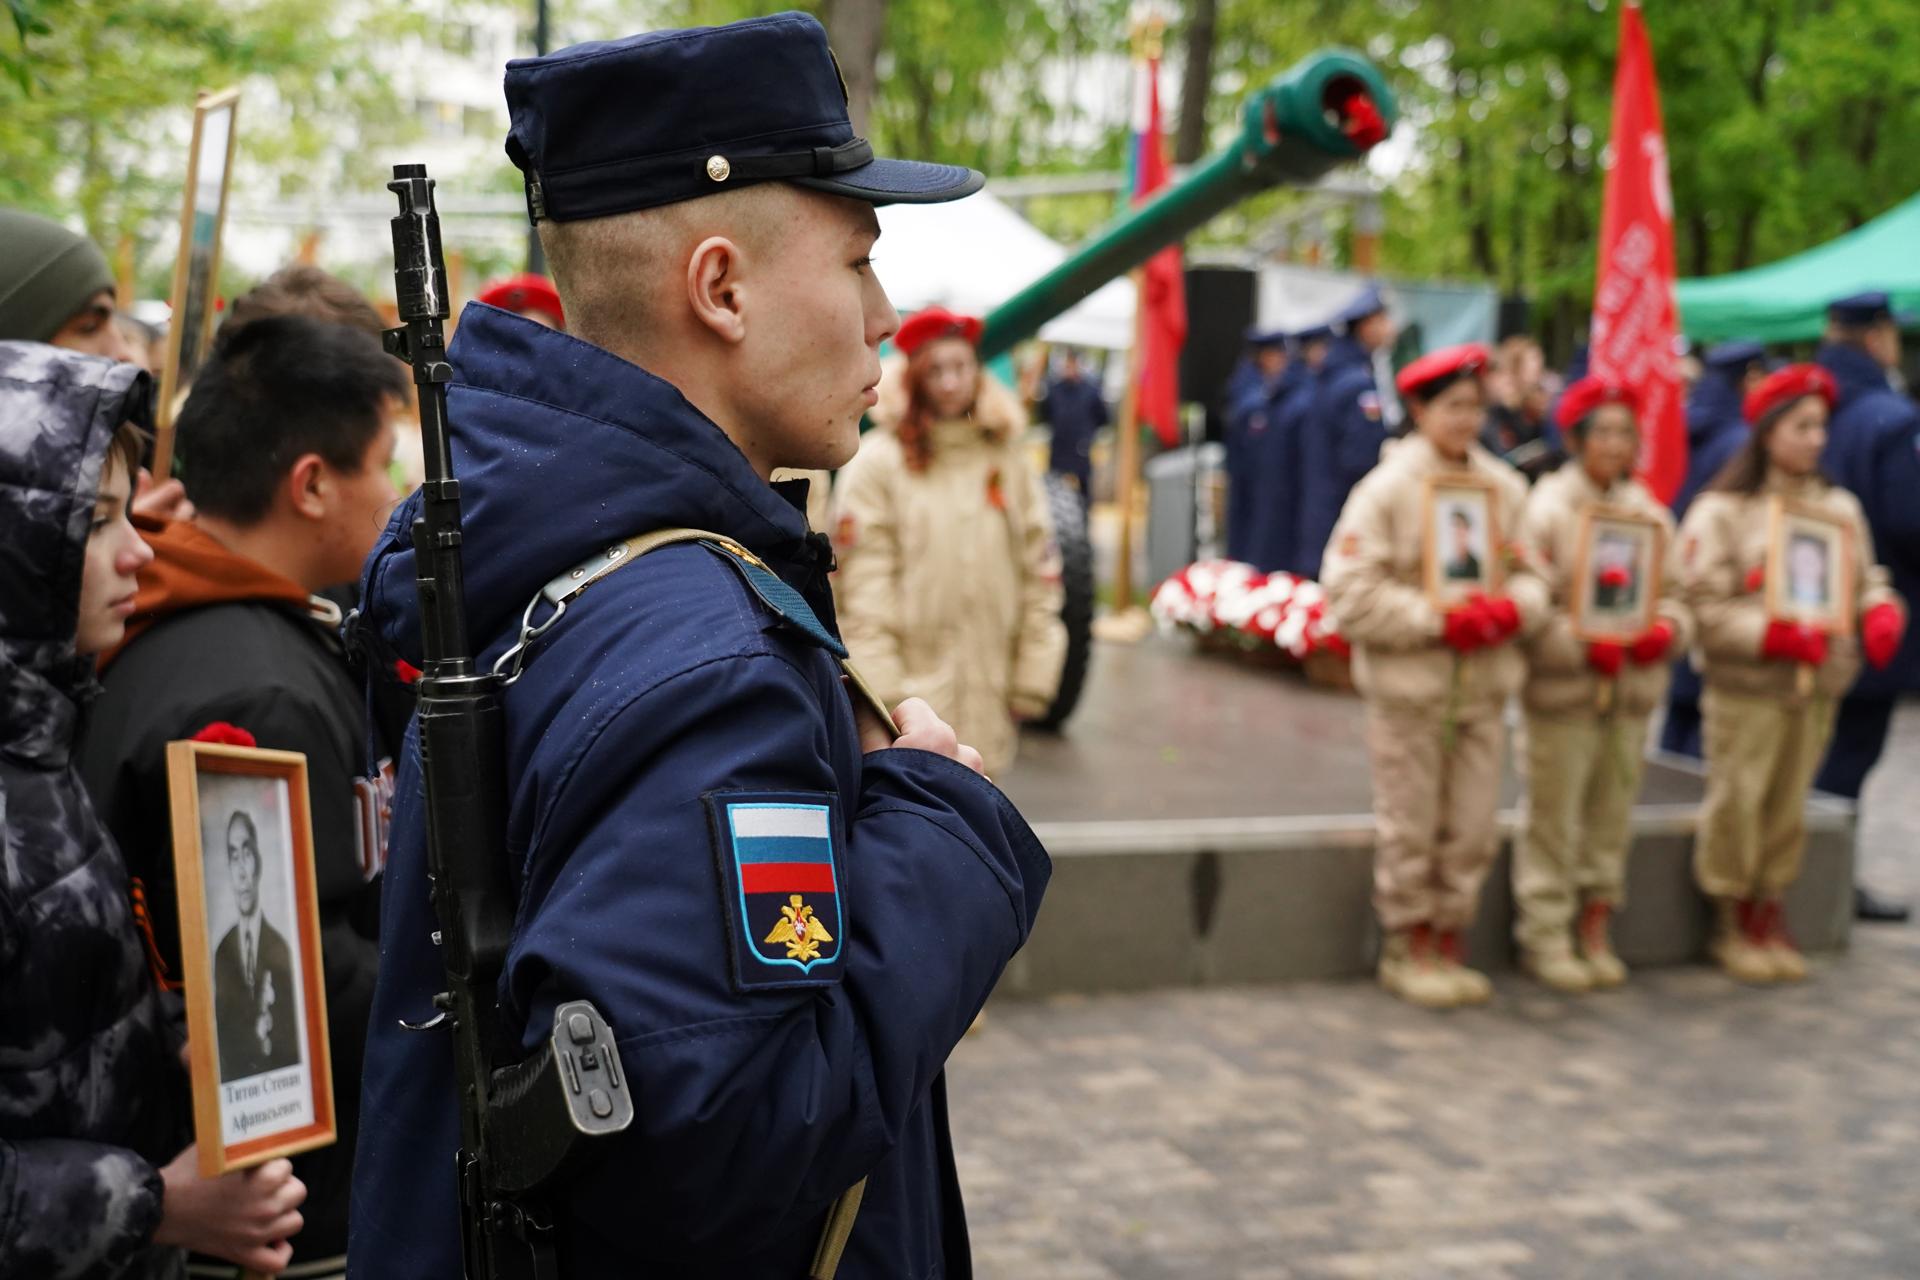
column 1220, row 309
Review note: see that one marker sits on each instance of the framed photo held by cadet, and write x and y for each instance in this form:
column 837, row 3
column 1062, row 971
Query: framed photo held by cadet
column 1460, row 539
column 1810, row 567
column 1614, row 590
column 250, row 953
column 196, row 268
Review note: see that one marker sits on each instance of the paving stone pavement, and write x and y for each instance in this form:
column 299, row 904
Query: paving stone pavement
column 1682, row 1127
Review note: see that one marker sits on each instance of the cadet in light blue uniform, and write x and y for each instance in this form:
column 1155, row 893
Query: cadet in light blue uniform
column 1354, row 411
column 1250, row 390
column 787, row 916
column 1873, row 448
column 1716, row 428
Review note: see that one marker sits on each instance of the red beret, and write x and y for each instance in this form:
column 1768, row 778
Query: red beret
column 1784, row 386
column 936, row 322
column 1588, row 394
column 1468, row 358
column 523, row 293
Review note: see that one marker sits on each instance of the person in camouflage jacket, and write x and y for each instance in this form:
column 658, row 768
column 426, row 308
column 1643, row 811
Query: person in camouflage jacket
column 93, row 1113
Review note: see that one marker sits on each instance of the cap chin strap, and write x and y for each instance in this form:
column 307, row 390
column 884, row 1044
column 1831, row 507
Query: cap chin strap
column 815, row 162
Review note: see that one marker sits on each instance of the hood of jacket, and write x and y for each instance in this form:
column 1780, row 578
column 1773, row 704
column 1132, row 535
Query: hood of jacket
column 58, row 413
column 191, row 569
column 1854, row 370
column 561, row 450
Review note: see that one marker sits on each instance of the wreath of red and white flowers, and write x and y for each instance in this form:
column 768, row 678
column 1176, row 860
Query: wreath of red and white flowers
column 1253, row 608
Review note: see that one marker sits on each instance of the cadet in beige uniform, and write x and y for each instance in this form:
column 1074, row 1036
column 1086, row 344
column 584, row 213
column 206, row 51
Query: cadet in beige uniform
column 1772, row 684
column 949, row 580
column 1588, row 702
column 1436, row 681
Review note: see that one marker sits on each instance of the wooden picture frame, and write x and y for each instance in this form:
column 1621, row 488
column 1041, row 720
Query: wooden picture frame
column 1460, row 547
column 1616, row 543
column 1812, row 577
column 250, row 954
column 196, row 269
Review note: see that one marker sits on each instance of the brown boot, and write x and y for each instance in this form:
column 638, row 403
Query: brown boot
column 1735, row 948
column 1596, row 946
column 1776, row 944
column 1410, row 968
column 1470, row 986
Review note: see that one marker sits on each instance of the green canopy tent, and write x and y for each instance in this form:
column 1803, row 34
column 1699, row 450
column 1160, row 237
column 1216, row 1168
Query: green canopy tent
column 1786, row 301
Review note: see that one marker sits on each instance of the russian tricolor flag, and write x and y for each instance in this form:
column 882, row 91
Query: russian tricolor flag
column 782, row 848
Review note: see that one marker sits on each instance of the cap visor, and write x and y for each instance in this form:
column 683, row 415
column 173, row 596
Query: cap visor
column 900, row 182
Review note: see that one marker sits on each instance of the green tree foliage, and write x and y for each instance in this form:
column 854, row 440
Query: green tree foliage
column 95, row 117
column 1788, row 122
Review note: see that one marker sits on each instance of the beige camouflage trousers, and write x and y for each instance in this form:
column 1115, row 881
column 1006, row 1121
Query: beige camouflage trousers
column 1583, row 773
column 1762, row 754
column 1434, row 808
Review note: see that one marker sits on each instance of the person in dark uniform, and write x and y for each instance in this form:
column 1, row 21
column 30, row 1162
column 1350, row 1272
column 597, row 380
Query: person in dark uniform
column 1716, row 431
column 787, row 910
column 1873, row 448
column 253, row 991
column 1251, row 389
column 1275, row 459
column 1074, row 409
column 1354, row 412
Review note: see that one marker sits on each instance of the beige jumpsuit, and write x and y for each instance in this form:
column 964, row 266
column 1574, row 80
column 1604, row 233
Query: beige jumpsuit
column 949, row 580
column 1766, row 726
column 1434, row 727
column 1586, row 734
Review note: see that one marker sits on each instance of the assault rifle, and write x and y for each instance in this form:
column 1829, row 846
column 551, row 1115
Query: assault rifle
column 521, row 1125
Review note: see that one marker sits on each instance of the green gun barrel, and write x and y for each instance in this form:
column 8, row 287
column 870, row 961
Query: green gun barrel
column 1292, row 132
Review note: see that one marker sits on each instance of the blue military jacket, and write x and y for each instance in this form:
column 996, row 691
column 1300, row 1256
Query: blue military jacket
column 1873, row 448
column 681, row 765
column 1716, row 429
column 1270, row 458
column 1340, row 441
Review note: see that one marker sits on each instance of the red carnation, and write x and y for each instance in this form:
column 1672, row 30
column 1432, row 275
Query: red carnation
column 1360, row 120
column 1615, row 577
column 405, row 671
column 226, row 735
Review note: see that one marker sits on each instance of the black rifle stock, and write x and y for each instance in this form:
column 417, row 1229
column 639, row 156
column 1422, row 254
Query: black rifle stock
column 522, row 1125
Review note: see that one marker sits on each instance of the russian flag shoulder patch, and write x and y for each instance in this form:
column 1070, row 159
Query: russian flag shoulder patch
column 781, row 886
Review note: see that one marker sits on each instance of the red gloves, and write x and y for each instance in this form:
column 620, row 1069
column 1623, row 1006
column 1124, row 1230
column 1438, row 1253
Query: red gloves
column 1606, row 657
column 1653, row 644
column 1881, row 631
column 1479, row 623
column 1792, row 642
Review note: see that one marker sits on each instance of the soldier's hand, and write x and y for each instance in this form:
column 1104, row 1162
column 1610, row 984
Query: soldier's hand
column 245, row 1217
column 163, row 502
column 922, row 730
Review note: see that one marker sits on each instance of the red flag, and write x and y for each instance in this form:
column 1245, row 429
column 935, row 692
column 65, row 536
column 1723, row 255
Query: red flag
column 1633, row 307
column 1162, row 328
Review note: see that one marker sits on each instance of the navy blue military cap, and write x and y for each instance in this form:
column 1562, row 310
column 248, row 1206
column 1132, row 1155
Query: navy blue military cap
column 1318, row 333
column 653, row 119
column 1734, row 355
column 1258, row 337
column 1865, row 309
column 1368, row 302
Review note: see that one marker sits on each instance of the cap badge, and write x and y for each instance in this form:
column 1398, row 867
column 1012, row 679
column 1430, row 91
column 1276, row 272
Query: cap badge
column 718, row 169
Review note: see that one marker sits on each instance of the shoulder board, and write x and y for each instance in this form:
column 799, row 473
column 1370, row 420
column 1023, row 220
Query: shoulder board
column 786, row 604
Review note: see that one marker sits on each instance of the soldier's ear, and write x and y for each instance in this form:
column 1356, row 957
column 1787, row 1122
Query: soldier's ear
column 716, row 289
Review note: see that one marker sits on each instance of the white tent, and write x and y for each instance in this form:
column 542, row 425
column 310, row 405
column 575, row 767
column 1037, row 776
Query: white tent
column 972, row 255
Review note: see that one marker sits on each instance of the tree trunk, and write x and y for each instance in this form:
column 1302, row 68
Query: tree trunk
column 854, row 30
column 1190, row 144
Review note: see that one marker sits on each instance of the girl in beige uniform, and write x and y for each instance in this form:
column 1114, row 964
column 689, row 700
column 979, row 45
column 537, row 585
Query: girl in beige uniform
column 1587, row 703
column 949, row 579
column 1771, row 685
column 1436, row 682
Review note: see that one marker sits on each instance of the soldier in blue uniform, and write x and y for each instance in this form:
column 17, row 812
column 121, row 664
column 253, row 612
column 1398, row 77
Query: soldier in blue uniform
column 1716, row 429
column 1250, row 392
column 788, row 911
column 1873, row 448
column 1074, row 410
column 1354, row 412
